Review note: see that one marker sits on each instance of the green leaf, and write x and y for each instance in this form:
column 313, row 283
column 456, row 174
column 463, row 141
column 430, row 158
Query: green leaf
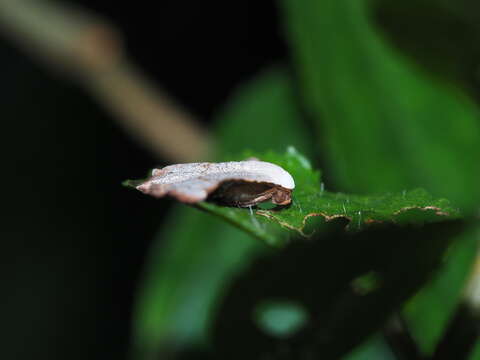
column 321, row 279
column 375, row 349
column 429, row 312
column 182, row 280
column 476, row 352
column 384, row 124
column 196, row 254
column 310, row 200
column 263, row 115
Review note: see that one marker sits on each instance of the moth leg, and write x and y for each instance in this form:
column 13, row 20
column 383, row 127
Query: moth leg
column 265, row 196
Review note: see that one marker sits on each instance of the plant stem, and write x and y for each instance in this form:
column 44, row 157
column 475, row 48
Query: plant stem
column 400, row 340
column 463, row 331
column 90, row 50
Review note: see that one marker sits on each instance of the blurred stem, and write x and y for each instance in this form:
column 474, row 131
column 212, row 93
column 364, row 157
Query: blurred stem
column 472, row 290
column 400, row 340
column 463, row 331
column 90, row 49
column 149, row 115
column 461, row 336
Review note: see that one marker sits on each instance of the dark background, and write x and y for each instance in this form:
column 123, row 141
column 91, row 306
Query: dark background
column 73, row 239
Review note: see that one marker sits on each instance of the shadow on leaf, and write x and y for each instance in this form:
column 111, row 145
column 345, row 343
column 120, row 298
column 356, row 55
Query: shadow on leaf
column 346, row 285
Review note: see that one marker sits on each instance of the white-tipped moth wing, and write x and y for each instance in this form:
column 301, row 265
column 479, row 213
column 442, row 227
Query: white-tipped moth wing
column 235, row 183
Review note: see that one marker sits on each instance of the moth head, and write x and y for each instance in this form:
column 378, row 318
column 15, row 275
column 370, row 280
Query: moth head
column 282, row 196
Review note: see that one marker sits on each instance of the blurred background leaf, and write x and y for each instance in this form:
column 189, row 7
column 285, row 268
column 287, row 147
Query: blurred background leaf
column 430, row 310
column 183, row 280
column 375, row 349
column 387, row 125
column 384, row 124
column 476, row 352
column 263, row 115
column 439, row 35
column 323, row 277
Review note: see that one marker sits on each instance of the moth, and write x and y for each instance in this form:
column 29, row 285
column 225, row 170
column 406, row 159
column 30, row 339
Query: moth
column 235, row 183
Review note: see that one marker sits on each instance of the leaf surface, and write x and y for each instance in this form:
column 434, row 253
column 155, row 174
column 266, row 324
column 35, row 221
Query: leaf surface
column 310, row 201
